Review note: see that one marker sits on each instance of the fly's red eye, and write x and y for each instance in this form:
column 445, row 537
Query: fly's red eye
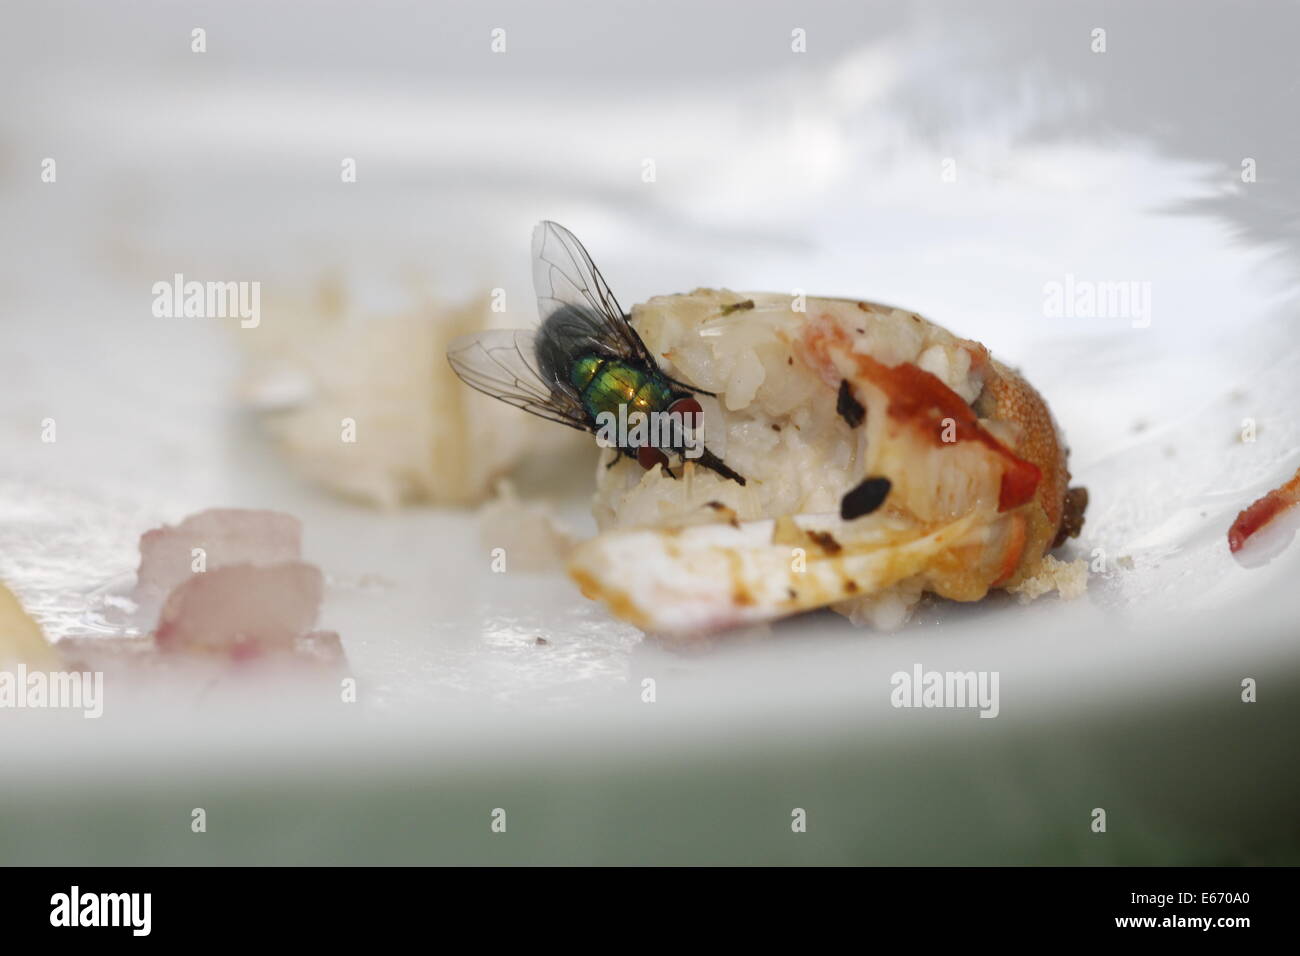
column 648, row 456
column 687, row 415
column 688, row 407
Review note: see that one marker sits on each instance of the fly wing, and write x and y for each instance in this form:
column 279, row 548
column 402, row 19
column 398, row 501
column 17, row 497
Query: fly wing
column 566, row 280
column 503, row 363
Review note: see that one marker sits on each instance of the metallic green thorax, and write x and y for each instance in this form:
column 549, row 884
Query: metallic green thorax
column 605, row 384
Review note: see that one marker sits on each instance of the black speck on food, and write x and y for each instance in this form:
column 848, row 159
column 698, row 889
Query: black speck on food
column 737, row 307
column 826, row 541
column 789, row 360
column 541, row 642
column 850, row 408
column 719, row 506
column 865, row 498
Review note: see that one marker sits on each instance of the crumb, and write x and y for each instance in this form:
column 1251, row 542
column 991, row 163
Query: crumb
column 1069, row 578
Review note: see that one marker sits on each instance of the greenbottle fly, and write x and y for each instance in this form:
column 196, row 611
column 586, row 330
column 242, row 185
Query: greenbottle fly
column 584, row 363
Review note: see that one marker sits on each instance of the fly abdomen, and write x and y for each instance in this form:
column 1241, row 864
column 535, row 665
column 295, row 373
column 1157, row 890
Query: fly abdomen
column 585, row 370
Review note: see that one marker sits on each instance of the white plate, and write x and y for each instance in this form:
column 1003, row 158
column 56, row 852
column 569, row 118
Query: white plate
column 822, row 171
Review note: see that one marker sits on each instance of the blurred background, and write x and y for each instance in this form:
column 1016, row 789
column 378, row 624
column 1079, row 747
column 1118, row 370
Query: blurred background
column 953, row 159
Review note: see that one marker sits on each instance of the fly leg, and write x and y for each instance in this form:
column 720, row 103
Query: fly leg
column 716, row 464
column 689, row 388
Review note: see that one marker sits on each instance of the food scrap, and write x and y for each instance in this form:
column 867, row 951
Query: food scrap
column 954, row 482
column 950, row 478
column 1263, row 511
column 224, row 584
column 528, row 533
column 244, row 610
column 356, row 400
column 21, row 639
column 171, row 555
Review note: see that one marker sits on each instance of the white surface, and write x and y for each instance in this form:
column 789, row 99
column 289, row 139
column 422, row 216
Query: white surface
column 167, row 165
